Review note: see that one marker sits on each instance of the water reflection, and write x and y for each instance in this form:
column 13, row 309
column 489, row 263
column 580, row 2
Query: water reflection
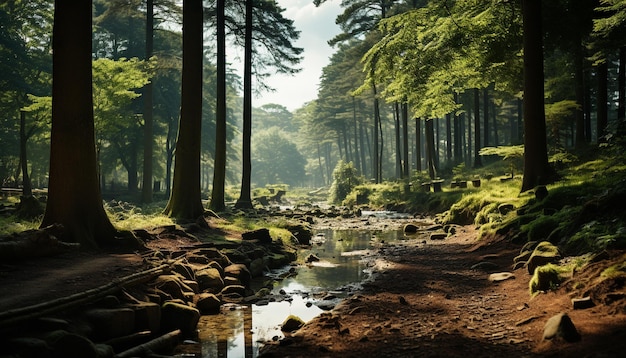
column 240, row 330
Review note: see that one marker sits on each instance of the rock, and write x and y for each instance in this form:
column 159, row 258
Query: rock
column 291, row 323
column 485, row 266
column 237, row 289
column 208, row 303
column 410, row 228
column 311, row 258
column 29, row 347
column 544, row 253
column 65, row 344
column 210, row 279
column 438, row 236
column 257, row 266
column 109, row 323
column 179, row 316
column 545, row 278
column 240, row 272
column 185, row 270
column 561, row 326
column 262, row 236
column 170, row 284
column 147, row 316
column 501, row 276
column 582, row 303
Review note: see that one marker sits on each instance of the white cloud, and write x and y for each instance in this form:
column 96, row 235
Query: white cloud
column 316, row 26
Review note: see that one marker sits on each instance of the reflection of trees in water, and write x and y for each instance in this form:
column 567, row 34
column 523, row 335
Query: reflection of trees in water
column 219, row 333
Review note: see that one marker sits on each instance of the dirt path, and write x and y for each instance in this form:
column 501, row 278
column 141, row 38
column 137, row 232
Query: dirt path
column 427, row 301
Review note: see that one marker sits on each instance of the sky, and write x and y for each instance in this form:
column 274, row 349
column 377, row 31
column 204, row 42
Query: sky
column 316, row 26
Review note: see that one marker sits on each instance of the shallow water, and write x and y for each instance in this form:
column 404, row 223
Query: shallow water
column 240, row 330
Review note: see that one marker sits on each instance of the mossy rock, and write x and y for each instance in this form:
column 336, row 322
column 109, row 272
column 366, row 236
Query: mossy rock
column 545, row 277
column 291, row 323
column 543, row 254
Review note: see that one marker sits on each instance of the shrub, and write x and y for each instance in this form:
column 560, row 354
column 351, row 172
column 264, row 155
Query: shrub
column 345, row 178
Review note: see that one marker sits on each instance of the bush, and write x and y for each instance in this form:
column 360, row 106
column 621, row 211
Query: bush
column 345, row 178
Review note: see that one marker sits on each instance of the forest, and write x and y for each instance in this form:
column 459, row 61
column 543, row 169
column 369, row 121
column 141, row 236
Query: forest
column 505, row 115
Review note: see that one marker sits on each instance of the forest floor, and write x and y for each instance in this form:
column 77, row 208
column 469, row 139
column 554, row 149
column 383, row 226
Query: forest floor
column 425, row 301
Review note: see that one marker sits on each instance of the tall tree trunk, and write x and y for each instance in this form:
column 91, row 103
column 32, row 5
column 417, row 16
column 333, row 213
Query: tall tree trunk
column 245, row 199
column 496, row 140
column 587, row 97
column 580, row 97
column 536, row 168
column 477, row 161
column 603, row 100
column 485, row 117
column 458, row 134
column 219, row 171
column 74, row 198
column 405, row 138
column 362, row 140
column 376, row 167
column 621, row 83
column 148, row 129
column 356, row 155
column 27, row 189
column 186, row 201
column 418, row 145
column 449, row 137
column 397, row 132
column 430, row 149
column 520, row 122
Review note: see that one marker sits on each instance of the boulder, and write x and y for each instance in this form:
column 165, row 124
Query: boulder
column 257, row 266
column 501, row 276
column 410, row 228
column 239, row 271
column 210, row 279
column 147, row 316
column 262, row 236
column 170, row 284
column 237, row 289
column 291, row 323
column 65, row 344
column 109, row 323
column 208, row 303
column 543, row 254
column 179, row 316
column 545, row 278
column 561, row 326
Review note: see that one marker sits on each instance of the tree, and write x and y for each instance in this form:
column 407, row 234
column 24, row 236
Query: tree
column 219, row 167
column 185, row 200
column 74, row 199
column 148, row 131
column 536, row 168
column 277, row 160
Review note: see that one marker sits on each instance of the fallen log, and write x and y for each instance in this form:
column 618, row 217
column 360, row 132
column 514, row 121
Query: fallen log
column 166, row 342
column 11, row 317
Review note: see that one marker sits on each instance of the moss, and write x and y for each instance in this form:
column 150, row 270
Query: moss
column 546, row 277
column 616, row 270
column 540, row 228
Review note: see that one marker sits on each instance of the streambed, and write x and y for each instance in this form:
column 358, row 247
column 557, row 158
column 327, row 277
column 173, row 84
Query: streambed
column 304, row 291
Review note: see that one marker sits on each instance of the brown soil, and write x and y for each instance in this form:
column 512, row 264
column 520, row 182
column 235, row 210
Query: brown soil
column 426, row 301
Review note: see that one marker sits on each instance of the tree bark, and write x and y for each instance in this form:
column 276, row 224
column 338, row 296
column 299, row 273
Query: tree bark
column 418, row 145
column 536, row 168
column 186, row 201
column 148, row 129
column 602, row 98
column 27, row 189
column 405, row 139
column 74, row 198
column 477, row 161
column 245, row 200
column 219, row 170
column 430, row 149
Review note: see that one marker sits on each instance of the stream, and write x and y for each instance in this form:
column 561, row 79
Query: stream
column 305, row 291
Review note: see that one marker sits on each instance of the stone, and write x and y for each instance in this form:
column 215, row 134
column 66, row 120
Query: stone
column 184, row 270
column 561, row 326
column 109, row 323
column 257, row 266
column 65, row 344
column 485, row 266
column 438, row 236
column 410, row 228
column 239, row 271
column 582, row 303
column 501, row 276
column 170, row 284
column 261, row 236
column 29, row 347
column 209, row 279
column 543, row 254
column 291, row 323
column 179, row 316
column 545, row 278
column 237, row 289
column 208, row 303
column 311, row 258
column 147, row 316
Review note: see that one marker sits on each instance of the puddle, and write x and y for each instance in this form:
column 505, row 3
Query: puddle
column 241, row 330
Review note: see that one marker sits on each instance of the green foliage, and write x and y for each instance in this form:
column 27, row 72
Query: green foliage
column 345, row 178
column 546, row 277
column 276, row 159
column 617, row 270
